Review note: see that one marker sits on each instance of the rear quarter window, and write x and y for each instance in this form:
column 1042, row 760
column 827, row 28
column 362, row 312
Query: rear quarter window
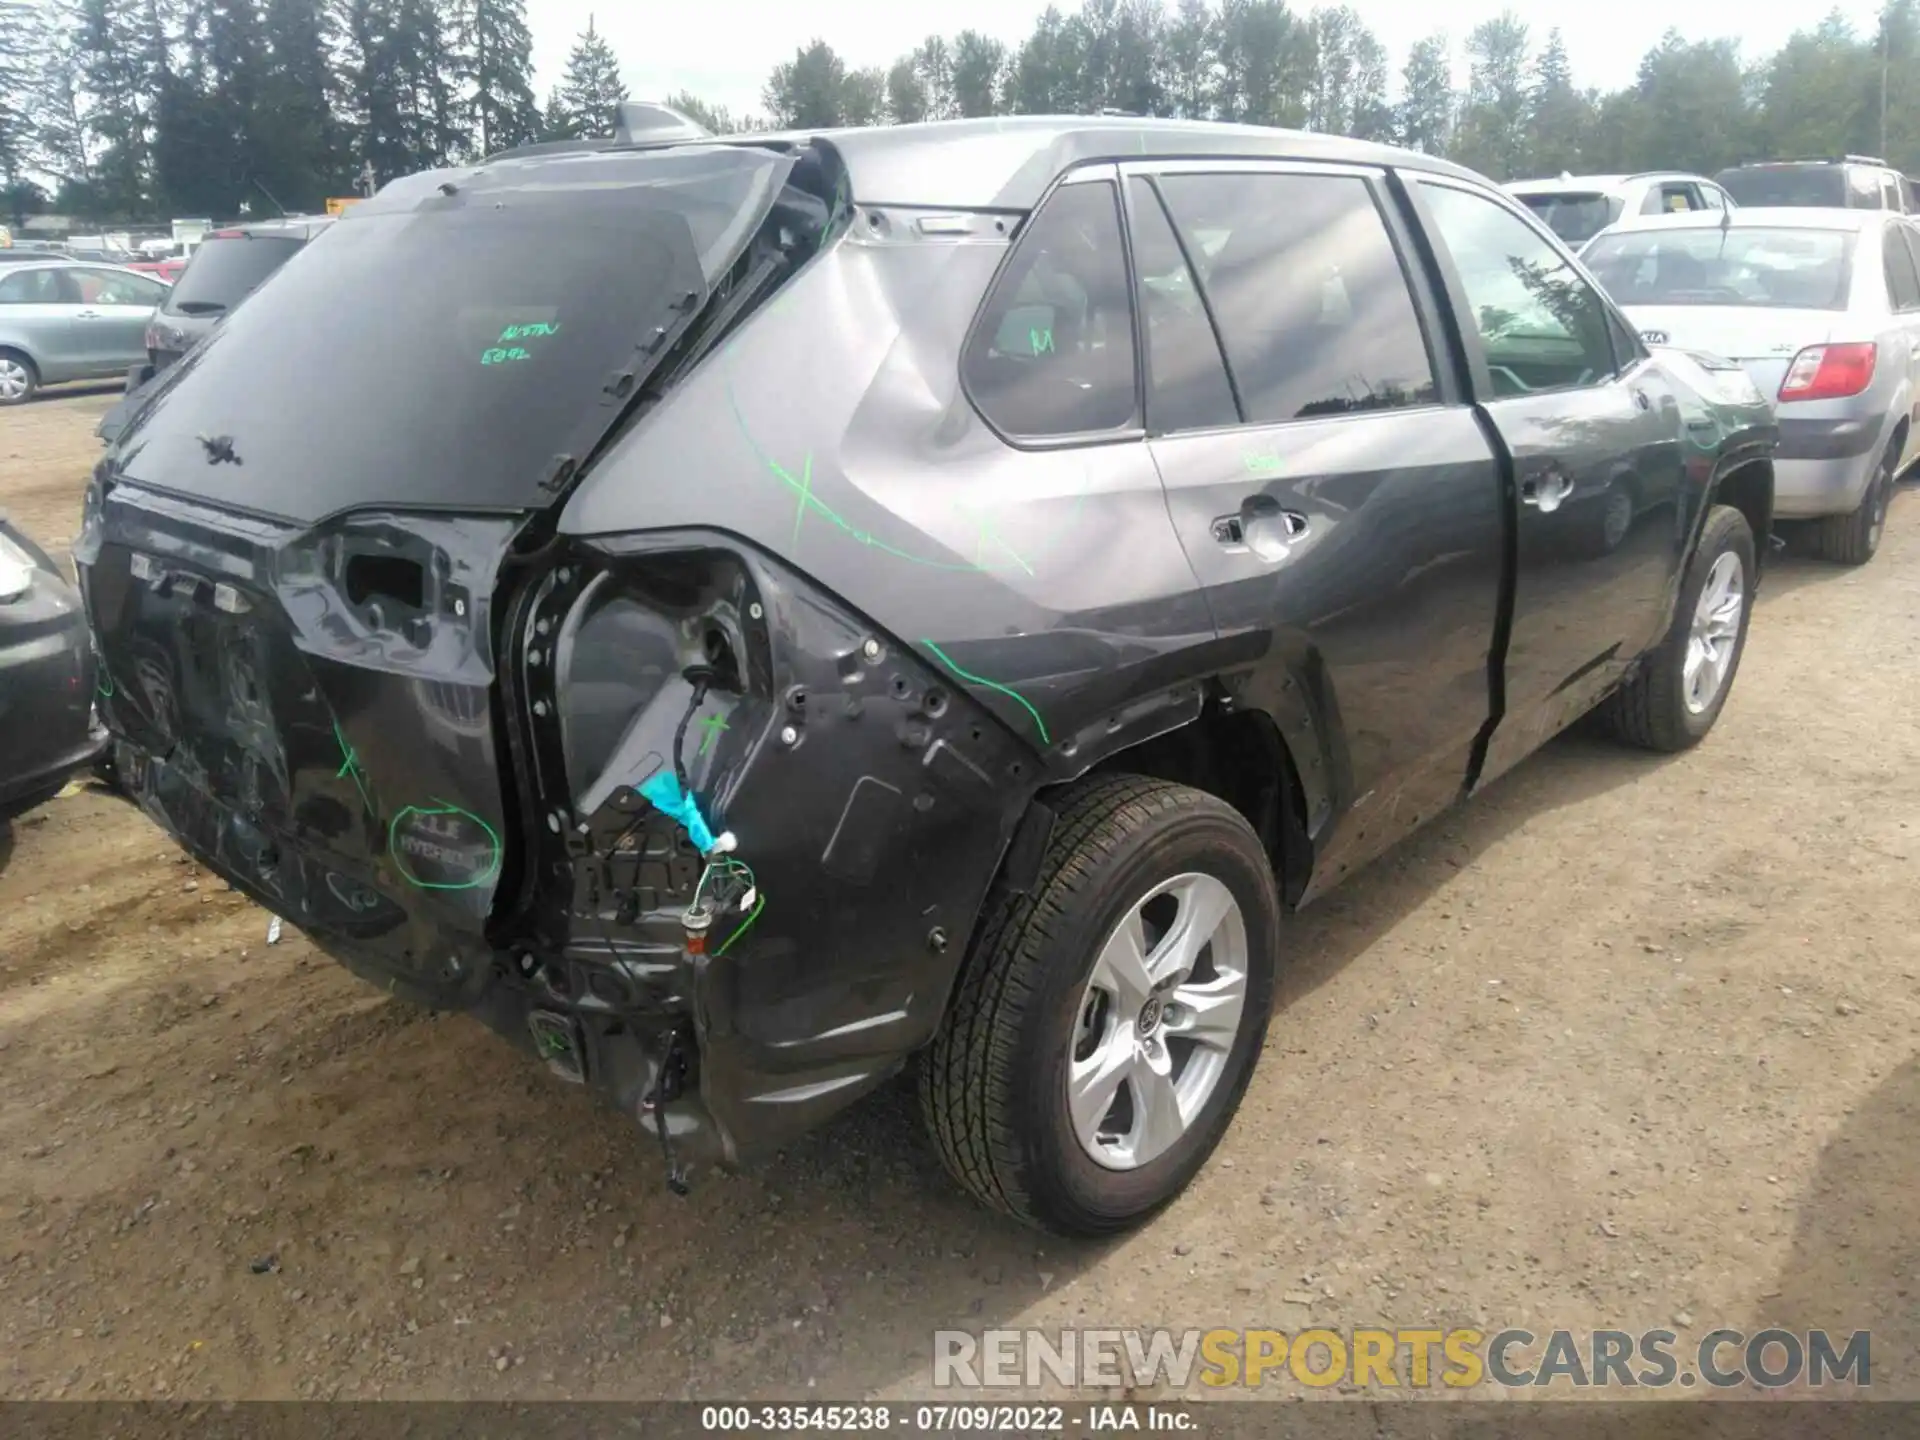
column 1052, row 351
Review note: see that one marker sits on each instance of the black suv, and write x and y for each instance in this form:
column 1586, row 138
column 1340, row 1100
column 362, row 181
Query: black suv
column 741, row 616
column 1845, row 182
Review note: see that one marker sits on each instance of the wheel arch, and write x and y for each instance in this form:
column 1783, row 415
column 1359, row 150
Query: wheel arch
column 1746, row 483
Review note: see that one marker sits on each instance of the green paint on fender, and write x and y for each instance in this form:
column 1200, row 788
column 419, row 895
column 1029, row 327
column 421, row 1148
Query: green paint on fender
column 434, row 816
column 994, row 685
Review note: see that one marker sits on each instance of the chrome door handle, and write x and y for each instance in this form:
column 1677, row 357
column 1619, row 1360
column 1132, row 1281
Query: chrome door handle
column 1546, row 490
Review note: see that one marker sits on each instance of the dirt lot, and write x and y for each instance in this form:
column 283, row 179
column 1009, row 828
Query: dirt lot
column 1628, row 1042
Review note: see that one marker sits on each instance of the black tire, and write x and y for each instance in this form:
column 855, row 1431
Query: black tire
column 993, row 1082
column 31, row 371
column 1854, row 539
column 1651, row 711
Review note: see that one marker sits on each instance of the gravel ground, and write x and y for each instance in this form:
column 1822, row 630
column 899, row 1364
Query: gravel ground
column 1628, row 1042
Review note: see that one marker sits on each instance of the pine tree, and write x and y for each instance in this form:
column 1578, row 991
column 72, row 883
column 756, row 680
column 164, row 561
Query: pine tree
column 1559, row 118
column 496, row 63
column 424, row 73
column 716, row 118
column 115, row 76
column 592, row 89
column 302, row 137
column 978, row 64
column 1192, row 61
column 1492, row 137
column 1427, row 99
column 806, row 92
column 555, row 122
column 16, row 91
column 60, row 133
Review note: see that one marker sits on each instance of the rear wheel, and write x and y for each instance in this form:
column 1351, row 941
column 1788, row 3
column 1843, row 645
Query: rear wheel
column 1852, row 539
column 19, row 380
column 1105, row 1028
column 1683, row 684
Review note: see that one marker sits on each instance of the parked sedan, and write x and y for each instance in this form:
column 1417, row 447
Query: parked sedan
column 47, row 729
column 63, row 321
column 1822, row 308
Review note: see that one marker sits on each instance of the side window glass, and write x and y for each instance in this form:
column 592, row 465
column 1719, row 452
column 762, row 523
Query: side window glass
column 1187, row 387
column 33, row 287
column 1543, row 327
column 109, row 287
column 1911, row 235
column 1052, row 352
column 1711, row 198
column 1304, row 282
column 1903, row 283
column 1863, row 193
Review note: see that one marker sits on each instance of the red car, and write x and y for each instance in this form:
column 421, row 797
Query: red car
column 167, row 270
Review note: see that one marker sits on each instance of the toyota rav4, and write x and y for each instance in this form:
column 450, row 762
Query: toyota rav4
column 742, row 617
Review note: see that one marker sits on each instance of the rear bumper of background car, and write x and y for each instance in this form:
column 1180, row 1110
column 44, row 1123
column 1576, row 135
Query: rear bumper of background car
column 1823, row 465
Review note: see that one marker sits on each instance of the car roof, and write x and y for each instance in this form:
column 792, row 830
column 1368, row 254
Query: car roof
column 1007, row 162
column 304, row 227
column 1586, row 184
column 1751, row 217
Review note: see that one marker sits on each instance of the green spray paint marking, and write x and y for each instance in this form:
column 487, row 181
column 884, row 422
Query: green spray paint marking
column 807, row 500
column 1260, row 464
column 995, row 685
column 350, row 765
column 1040, row 341
column 104, row 685
column 745, row 925
column 438, row 807
column 501, row 357
column 523, row 332
column 712, row 725
column 806, row 494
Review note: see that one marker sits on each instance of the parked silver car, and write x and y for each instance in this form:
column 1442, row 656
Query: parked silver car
column 1822, row 308
column 65, row 321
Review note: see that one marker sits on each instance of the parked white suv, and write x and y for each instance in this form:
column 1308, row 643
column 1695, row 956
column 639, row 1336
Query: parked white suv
column 1578, row 207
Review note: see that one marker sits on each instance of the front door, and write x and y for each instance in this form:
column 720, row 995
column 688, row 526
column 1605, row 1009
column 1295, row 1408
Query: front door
column 1593, row 432
column 110, row 323
column 1340, row 507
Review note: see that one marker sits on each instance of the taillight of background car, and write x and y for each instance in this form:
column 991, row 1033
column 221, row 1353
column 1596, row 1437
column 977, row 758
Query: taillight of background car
column 1829, row 372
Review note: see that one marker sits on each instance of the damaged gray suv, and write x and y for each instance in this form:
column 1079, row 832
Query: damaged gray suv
column 742, row 617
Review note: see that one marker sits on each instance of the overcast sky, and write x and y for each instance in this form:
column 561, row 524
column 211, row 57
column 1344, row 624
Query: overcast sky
column 722, row 50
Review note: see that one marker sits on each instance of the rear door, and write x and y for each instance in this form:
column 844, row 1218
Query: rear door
column 1901, row 253
column 1593, row 431
column 110, row 323
column 1338, row 502
column 36, row 316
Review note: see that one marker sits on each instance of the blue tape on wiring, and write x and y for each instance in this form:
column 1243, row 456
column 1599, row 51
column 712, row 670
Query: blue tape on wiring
column 663, row 791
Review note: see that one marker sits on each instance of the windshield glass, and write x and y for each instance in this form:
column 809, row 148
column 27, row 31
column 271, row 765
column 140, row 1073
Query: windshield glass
column 1574, row 217
column 440, row 351
column 222, row 273
column 1782, row 269
column 1761, row 185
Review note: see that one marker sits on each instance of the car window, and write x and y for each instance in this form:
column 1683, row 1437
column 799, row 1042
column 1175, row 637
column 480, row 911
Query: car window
column 1863, row 189
column 1542, row 325
column 1903, row 280
column 1052, row 352
column 1187, row 386
column 1910, row 236
column 1789, row 268
column 1889, row 193
column 1676, row 198
column 1575, row 217
column 1308, row 293
column 34, row 287
column 1711, row 198
column 114, row 287
column 1762, row 185
column 226, row 269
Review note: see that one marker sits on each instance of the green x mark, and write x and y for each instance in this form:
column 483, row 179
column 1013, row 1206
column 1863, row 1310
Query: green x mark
column 712, row 725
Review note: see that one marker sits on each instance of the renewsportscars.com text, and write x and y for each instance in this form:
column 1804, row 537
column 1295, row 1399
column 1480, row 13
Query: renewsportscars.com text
column 1401, row 1358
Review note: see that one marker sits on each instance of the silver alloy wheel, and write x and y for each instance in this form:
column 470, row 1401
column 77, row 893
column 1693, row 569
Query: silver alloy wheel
column 1715, row 632
column 15, row 378
column 1157, row 1021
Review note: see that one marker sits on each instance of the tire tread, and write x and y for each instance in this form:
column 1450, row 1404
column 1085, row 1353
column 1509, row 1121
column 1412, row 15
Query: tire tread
column 968, row 1075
